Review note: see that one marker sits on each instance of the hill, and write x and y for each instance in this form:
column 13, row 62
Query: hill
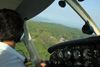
column 46, row 34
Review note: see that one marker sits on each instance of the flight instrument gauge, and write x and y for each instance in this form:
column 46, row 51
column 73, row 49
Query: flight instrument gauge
column 78, row 64
column 88, row 54
column 54, row 55
column 88, row 64
column 60, row 54
column 77, row 54
column 67, row 54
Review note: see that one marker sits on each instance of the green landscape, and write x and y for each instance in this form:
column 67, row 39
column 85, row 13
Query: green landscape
column 46, row 34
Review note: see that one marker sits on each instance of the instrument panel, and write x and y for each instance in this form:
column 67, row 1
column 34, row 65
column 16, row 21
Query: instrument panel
column 76, row 54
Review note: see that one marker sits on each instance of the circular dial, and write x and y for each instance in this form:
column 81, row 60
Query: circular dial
column 54, row 55
column 54, row 62
column 67, row 54
column 88, row 64
column 60, row 54
column 78, row 64
column 77, row 54
column 88, row 54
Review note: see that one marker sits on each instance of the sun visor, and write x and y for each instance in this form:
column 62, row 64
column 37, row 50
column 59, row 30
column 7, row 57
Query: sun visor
column 30, row 8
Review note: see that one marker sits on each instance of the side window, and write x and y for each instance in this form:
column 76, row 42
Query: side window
column 21, row 48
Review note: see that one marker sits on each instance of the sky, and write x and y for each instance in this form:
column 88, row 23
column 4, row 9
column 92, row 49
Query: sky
column 67, row 16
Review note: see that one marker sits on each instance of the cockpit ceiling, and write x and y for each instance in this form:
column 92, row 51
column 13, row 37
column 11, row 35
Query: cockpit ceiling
column 27, row 8
column 30, row 8
column 10, row 4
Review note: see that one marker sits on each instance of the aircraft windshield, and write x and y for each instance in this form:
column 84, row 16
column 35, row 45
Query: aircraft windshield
column 56, row 24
